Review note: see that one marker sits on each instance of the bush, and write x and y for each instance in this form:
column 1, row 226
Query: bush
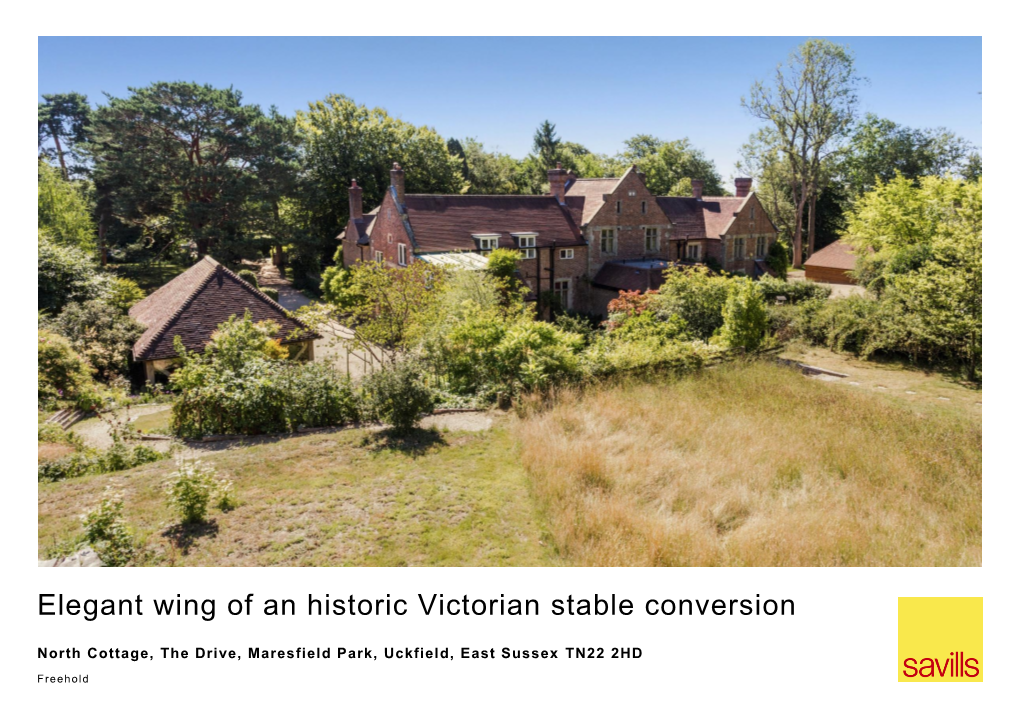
column 88, row 461
column 272, row 293
column 67, row 273
column 63, row 374
column 395, row 394
column 696, row 296
column 745, row 320
column 778, row 259
column 249, row 277
column 500, row 357
column 124, row 293
column 306, row 268
column 101, row 333
column 106, row 533
column 771, row 288
column 190, row 488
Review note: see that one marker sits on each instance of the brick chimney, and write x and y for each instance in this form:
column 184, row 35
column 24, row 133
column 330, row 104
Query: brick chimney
column 397, row 182
column 697, row 187
column 354, row 200
column 743, row 187
column 558, row 183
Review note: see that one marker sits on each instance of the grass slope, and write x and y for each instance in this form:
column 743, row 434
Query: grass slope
column 756, row 465
column 739, row 465
column 347, row 498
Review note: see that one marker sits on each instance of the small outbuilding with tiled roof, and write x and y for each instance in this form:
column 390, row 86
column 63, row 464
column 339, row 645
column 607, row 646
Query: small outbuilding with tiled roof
column 194, row 304
column 831, row 264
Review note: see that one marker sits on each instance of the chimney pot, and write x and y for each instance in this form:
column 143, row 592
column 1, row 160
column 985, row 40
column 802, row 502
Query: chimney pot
column 743, row 186
column 354, row 200
column 397, row 182
column 697, row 188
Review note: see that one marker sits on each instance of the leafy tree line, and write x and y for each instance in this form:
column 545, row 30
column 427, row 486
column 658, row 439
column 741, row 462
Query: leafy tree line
column 814, row 157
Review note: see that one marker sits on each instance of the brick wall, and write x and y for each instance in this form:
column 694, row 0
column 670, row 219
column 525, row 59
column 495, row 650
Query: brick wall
column 749, row 227
column 575, row 270
column 629, row 224
column 388, row 232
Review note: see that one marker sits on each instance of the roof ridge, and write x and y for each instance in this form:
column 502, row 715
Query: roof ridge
column 161, row 331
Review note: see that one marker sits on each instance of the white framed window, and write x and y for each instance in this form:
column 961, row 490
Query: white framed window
column 738, row 249
column 401, row 254
column 389, row 238
column 651, row 240
column 566, row 253
column 487, row 243
column 378, row 256
column 632, row 193
column 693, row 251
column 761, row 247
column 608, row 240
column 527, row 245
column 561, row 289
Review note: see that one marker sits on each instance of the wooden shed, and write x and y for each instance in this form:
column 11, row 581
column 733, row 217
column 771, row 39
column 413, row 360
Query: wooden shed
column 831, row 264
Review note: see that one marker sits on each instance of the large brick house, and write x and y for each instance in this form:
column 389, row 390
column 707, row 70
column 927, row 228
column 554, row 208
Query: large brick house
column 585, row 241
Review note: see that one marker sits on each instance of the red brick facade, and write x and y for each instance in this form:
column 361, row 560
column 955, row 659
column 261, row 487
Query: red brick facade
column 571, row 233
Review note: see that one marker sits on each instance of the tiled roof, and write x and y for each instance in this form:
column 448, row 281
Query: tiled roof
column 194, row 303
column 448, row 222
column 590, row 191
column 631, row 276
column 364, row 227
column 705, row 218
column 835, row 255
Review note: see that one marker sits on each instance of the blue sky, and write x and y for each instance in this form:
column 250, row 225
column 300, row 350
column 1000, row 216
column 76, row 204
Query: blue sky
column 598, row 91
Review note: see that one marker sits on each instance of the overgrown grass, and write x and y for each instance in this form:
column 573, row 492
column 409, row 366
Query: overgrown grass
column 755, row 465
column 738, row 465
column 346, row 498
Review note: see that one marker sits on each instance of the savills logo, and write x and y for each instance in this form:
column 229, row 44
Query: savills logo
column 940, row 639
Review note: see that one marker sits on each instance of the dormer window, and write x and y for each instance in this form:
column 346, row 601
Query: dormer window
column 487, row 243
column 526, row 243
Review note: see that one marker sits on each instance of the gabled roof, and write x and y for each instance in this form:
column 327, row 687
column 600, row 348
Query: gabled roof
column 838, row 255
column 590, row 192
column 708, row 217
column 449, row 222
column 194, row 303
column 364, row 227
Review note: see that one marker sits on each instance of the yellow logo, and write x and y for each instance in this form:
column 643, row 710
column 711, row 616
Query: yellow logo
column 940, row 639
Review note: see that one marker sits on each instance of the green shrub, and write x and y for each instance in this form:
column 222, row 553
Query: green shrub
column 63, row 374
column 105, row 530
column 396, row 395
column 190, row 488
column 782, row 322
column 500, row 357
column 694, row 295
column 272, row 293
column 778, row 259
column 249, row 277
column 101, row 333
column 745, row 320
column 771, row 288
column 89, row 461
column 123, row 293
column 66, row 274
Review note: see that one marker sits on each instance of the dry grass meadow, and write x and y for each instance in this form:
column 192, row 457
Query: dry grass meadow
column 755, row 465
column 739, row 465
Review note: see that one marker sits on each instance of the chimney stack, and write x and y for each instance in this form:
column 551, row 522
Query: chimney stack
column 397, row 182
column 558, row 183
column 743, row 187
column 697, row 187
column 354, row 200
